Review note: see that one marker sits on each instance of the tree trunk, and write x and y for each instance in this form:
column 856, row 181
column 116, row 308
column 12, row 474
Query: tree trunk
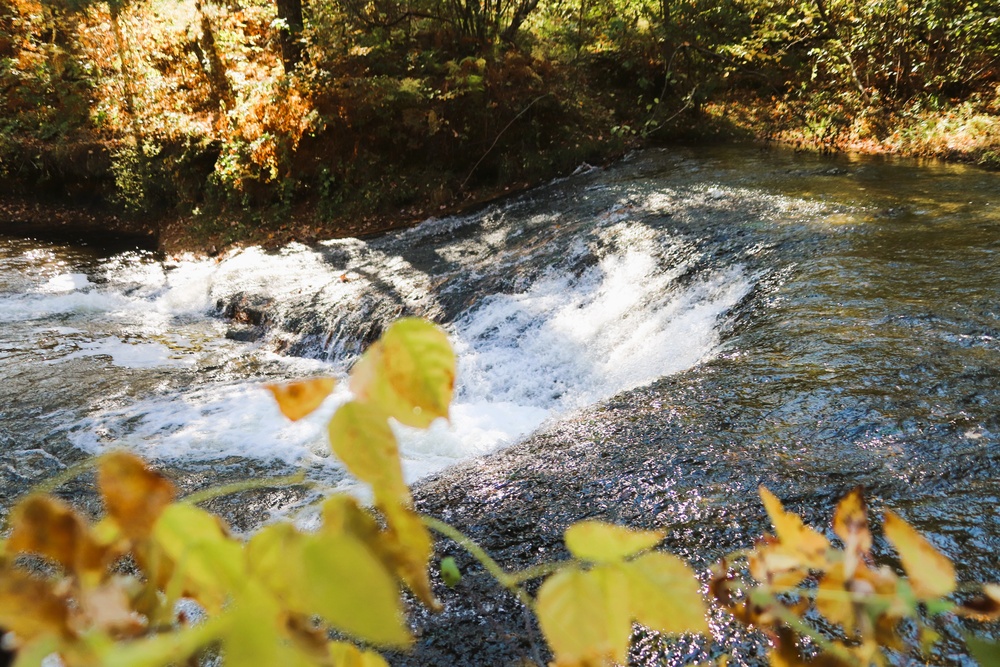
column 128, row 79
column 290, row 13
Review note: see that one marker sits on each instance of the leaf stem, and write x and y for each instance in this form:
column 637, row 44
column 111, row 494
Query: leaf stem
column 508, row 581
column 298, row 479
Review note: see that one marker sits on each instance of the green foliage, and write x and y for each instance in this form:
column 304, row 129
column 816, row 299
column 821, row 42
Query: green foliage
column 276, row 598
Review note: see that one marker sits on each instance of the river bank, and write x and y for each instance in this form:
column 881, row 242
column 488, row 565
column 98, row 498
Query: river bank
column 962, row 134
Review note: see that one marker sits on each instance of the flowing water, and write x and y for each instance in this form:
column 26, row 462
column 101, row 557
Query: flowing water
column 674, row 330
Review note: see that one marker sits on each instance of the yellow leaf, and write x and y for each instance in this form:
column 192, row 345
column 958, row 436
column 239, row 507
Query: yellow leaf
column 268, row 554
column 983, row 607
column 346, row 655
column 406, row 547
column 133, row 494
column 107, row 608
column 360, row 437
column 833, row 598
column 253, row 635
column 931, row 574
column 351, row 589
column 33, row 654
column 409, row 373
column 600, row 542
column 411, row 547
column 206, row 559
column 850, row 523
column 618, row 613
column 664, row 594
column 48, row 527
column 573, row 616
column 776, row 565
column 796, row 538
column 161, row 649
column 298, row 399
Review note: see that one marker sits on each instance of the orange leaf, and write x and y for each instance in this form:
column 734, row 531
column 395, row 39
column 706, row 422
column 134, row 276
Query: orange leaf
column 133, row 494
column 930, row 572
column 45, row 526
column 28, row 607
column 298, row 399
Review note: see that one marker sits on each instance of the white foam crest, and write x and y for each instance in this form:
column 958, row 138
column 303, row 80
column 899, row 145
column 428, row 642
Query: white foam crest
column 66, row 282
column 569, row 342
column 242, row 420
column 211, row 423
column 23, row 307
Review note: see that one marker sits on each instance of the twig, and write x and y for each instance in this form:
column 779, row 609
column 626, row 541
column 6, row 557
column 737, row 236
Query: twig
column 500, row 134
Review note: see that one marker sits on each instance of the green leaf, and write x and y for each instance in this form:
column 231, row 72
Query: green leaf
column 409, row 373
column 599, row 542
column 664, row 594
column 986, row 653
column 350, row 587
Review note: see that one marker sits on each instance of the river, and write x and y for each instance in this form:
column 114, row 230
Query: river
column 646, row 342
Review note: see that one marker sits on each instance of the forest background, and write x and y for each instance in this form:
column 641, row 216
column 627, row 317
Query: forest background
column 207, row 122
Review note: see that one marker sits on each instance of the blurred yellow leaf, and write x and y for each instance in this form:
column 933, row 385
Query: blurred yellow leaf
column 107, row 608
column 207, row 560
column 48, row 527
column 574, row 617
column 253, row 635
column 850, row 523
column 772, row 563
column 268, row 554
column 664, row 594
column 405, row 547
column 411, row 547
column 930, row 573
column 158, row 650
column 347, row 655
column 833, row 598
column 600, row 542
column 133, row 494
column 409, row 373
column 298, row 399
column 360, row 437
column 352, row 590
column 796, row 538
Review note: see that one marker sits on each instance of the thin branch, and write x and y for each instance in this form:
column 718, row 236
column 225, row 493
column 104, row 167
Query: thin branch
column 493, row 145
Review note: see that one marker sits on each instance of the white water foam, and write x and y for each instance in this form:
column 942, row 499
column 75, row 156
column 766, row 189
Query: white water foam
column 565, row 341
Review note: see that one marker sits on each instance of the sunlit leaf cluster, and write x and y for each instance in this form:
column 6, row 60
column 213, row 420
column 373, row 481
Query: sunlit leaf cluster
column 797, row 572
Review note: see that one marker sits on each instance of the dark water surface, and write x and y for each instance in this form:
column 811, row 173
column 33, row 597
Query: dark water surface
column 679, row 328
